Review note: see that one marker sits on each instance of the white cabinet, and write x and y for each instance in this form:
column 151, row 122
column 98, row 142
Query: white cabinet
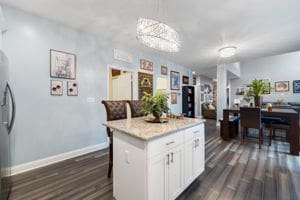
column 158, row 169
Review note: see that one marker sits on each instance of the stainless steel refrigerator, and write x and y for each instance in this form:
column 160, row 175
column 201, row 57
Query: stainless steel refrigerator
column 7, row 118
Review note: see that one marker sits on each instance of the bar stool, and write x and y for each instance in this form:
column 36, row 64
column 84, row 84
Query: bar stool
column 115, row 110
column 135, row 107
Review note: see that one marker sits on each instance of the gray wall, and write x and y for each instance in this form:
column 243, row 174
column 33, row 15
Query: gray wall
column 285, row 67
column 49, row 125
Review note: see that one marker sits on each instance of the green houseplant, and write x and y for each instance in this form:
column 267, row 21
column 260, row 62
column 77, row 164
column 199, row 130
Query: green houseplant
column 257, row 88
column 156, row 105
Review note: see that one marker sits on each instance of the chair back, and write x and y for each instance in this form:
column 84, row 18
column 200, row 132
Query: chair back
column 135, row 108
column 115, row 110
column 250, row 117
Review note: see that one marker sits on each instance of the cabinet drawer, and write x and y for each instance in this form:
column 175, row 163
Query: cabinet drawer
column 163, row 144
column 193, row 132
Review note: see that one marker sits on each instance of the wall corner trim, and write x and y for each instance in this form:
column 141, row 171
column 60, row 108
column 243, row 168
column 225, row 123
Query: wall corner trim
column 18, row 169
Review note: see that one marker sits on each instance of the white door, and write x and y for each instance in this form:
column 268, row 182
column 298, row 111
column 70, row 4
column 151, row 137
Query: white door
column 199, row 154
column 175, row 172
column 189, row 162
column 122, row 87
column 158, row 178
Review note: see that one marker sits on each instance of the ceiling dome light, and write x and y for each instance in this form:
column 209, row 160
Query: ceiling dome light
column 227, row 52
column 157, row 35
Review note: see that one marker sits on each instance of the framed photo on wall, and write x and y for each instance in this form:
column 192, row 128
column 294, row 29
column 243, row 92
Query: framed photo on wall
column 185, row 80
column 146, row 65
column 175, row 80
column 164, row 70
column 173, row 97
column 62, row 64
column 72, row 88
column 282, row 86
column 296, row 86
column 267, row 88
column 56, row 88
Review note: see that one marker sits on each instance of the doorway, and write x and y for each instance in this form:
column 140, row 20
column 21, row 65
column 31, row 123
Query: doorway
column 120, row 84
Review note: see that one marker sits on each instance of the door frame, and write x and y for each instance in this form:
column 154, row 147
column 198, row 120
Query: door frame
column 133, row 80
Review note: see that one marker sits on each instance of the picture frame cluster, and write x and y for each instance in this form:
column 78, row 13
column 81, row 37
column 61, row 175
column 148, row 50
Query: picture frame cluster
column 63, row 66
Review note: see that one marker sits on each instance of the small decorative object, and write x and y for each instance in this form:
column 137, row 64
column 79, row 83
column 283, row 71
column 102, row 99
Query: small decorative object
column 282, row 86
column 175, row 80
column 146, row 65
column 267, row 88
column 269, row 107
column 279, row 101
column 257, row 88
column 296, row 86
column 72, row 88
column 164, row 70
column 156, row 105
column 56, row 88
column 237, row 102
column 173, row 97
column 185, row 80
column 62, row 64
column 145, row 84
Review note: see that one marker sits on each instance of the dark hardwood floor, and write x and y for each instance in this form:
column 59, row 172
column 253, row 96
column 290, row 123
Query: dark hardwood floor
column 233, row 171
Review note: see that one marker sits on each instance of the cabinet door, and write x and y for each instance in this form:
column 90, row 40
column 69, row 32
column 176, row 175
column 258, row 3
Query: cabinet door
column 157, row 178
column 189, row 162
column 175, row 172
column 199, row 155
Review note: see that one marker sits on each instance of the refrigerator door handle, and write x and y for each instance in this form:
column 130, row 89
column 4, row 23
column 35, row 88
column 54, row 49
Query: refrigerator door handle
column 10, row 124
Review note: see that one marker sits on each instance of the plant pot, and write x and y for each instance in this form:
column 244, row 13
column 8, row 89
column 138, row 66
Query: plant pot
column 156, row 117
column 258, row 101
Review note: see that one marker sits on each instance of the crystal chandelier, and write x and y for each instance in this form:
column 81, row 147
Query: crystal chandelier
column 157, row 35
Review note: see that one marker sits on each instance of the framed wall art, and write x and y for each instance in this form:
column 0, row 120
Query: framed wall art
column 173, row 97
column 56, row 88
column 267, row 88
column 146, row 65
column 296, row 86
column 62, row 64
column 175, row 80
column 72, row 87
column 185, row 80
column 145, row 84
column 164, row 70
column 282, row 86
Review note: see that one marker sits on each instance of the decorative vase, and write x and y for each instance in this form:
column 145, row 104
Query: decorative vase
column 257, row 101
column 156, row 117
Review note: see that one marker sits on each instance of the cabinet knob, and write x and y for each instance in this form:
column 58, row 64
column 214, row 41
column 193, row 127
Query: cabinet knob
column 169, row 143
column 168, row 159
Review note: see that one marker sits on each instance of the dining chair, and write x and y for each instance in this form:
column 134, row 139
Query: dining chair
column 115, row 110
column 277, row 123
column 251, row 118
column 135, row 108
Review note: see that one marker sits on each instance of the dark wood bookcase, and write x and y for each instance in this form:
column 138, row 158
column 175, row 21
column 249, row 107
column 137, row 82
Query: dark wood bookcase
column 188, row 101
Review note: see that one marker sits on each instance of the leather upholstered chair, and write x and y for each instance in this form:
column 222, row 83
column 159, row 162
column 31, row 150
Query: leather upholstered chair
column 135, row 108
column 115, row 110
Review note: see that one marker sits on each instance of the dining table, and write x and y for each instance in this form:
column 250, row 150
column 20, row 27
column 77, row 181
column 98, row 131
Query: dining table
column 290, row 114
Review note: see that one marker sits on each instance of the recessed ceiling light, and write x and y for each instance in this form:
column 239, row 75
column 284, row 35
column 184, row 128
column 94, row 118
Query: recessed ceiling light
column 194, row 72
column 227, row 52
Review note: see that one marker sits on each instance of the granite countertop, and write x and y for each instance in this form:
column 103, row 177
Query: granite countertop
column 139, row 128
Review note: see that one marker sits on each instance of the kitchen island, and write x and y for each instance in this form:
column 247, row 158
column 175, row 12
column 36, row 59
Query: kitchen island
column 156, row 161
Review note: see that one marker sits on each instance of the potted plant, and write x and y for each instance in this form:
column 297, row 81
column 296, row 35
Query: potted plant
column 257, row 88
column 156, row 105
column 248, row 97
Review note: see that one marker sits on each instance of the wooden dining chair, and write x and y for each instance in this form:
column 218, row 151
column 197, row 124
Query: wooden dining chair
column 115, row 110
column 251, row 118
column 135, row 108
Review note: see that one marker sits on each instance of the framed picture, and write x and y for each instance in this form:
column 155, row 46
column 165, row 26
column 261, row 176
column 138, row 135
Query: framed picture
column 282, row 86
column 185, row 80
column 72, row 88
column 164, row 70
column 207, row 89
column 145, row 84
column 175, row 80
column 173, row 97
column 267, row 88
column 62, row 64
column 146, row 65
column 56, row 88
column 240, row 91
column 296, row 86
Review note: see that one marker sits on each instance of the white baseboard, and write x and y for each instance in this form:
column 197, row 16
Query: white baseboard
column 18, row 169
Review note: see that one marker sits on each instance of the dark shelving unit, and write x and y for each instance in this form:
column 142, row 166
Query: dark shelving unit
column 188, row 101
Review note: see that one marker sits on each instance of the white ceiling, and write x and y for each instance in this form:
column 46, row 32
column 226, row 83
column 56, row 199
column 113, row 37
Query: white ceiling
column 257, row 27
